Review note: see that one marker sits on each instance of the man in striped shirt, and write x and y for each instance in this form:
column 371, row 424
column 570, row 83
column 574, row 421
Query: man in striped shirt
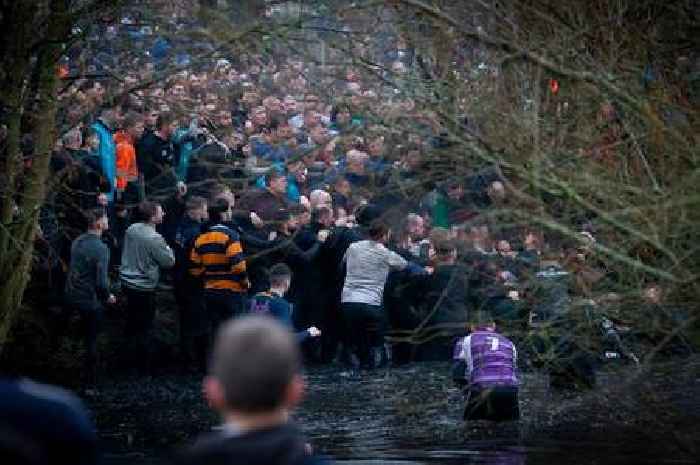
column 217, row 258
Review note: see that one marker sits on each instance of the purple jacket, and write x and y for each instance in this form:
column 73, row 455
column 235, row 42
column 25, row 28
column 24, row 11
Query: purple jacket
column 490, row 359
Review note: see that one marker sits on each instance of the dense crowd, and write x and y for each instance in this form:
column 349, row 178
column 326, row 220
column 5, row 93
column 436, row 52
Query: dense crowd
column 242, row 188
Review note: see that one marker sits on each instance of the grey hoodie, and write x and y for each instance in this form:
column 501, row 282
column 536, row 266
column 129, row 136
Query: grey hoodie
column 145, row 253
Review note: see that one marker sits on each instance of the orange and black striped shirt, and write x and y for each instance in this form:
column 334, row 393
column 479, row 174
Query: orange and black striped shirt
column 217, row 257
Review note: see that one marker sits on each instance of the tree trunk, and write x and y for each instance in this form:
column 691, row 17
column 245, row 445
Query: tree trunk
column 18, row 235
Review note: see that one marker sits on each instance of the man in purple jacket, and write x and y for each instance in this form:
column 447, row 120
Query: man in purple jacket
column 486, row 366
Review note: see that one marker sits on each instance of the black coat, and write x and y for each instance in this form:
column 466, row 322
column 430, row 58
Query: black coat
column 282, row 445
column 154, row 157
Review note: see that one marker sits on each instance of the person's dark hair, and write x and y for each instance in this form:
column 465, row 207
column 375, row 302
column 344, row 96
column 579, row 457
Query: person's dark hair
column 164, row 119
column 146, row 210
column 276, row 122
column 149, row 108
column 297, row 209
column 319, row 213
column 217, row 209
column 440, row 237
column 367, row 214
column 280, row 216
column 195, row 203
column 255, row 359
column 279, row 273
column 274, row 174
column 131, row 119
column 93, row 216
column 378, row 230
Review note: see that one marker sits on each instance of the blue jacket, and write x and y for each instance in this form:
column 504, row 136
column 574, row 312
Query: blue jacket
column 278, row 308
column 107, row 153
column 185, row 147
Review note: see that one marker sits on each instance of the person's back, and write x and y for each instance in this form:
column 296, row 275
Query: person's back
column 490, row 358
column 487, row 368
column 281, row 445
column 86, row 281
column 145, row 252
column 272, row 303
column 218, row 254
column 254, row 382
column 368, row 264
column 442, row 299
column 217, row 257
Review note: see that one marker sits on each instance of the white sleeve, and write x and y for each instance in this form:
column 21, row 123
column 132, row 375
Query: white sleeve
column 396, row 261
column 467, row 350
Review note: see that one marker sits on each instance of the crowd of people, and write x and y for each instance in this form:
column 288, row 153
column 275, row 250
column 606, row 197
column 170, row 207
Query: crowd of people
column 244, row 188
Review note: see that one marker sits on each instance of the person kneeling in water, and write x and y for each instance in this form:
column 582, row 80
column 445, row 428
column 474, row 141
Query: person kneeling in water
column 486, row 367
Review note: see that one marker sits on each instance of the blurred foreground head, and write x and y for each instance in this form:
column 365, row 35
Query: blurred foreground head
column 255, row 368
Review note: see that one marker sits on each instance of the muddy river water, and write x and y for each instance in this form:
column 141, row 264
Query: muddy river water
column 412, row 414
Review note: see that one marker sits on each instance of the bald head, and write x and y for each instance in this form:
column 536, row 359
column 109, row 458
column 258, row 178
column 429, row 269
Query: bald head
column 255, row 359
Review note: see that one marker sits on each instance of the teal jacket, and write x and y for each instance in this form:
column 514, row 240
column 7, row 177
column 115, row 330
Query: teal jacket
column 107, row 153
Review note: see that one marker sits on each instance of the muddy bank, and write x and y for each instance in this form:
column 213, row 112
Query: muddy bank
column 414, row 413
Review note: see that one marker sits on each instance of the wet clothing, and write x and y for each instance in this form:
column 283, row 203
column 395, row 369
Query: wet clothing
column 279, row 445
column 490, row 359
column 487, row 367
column 499, row 403
column 52, row 420
column 145, row 253
column 367, row 326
